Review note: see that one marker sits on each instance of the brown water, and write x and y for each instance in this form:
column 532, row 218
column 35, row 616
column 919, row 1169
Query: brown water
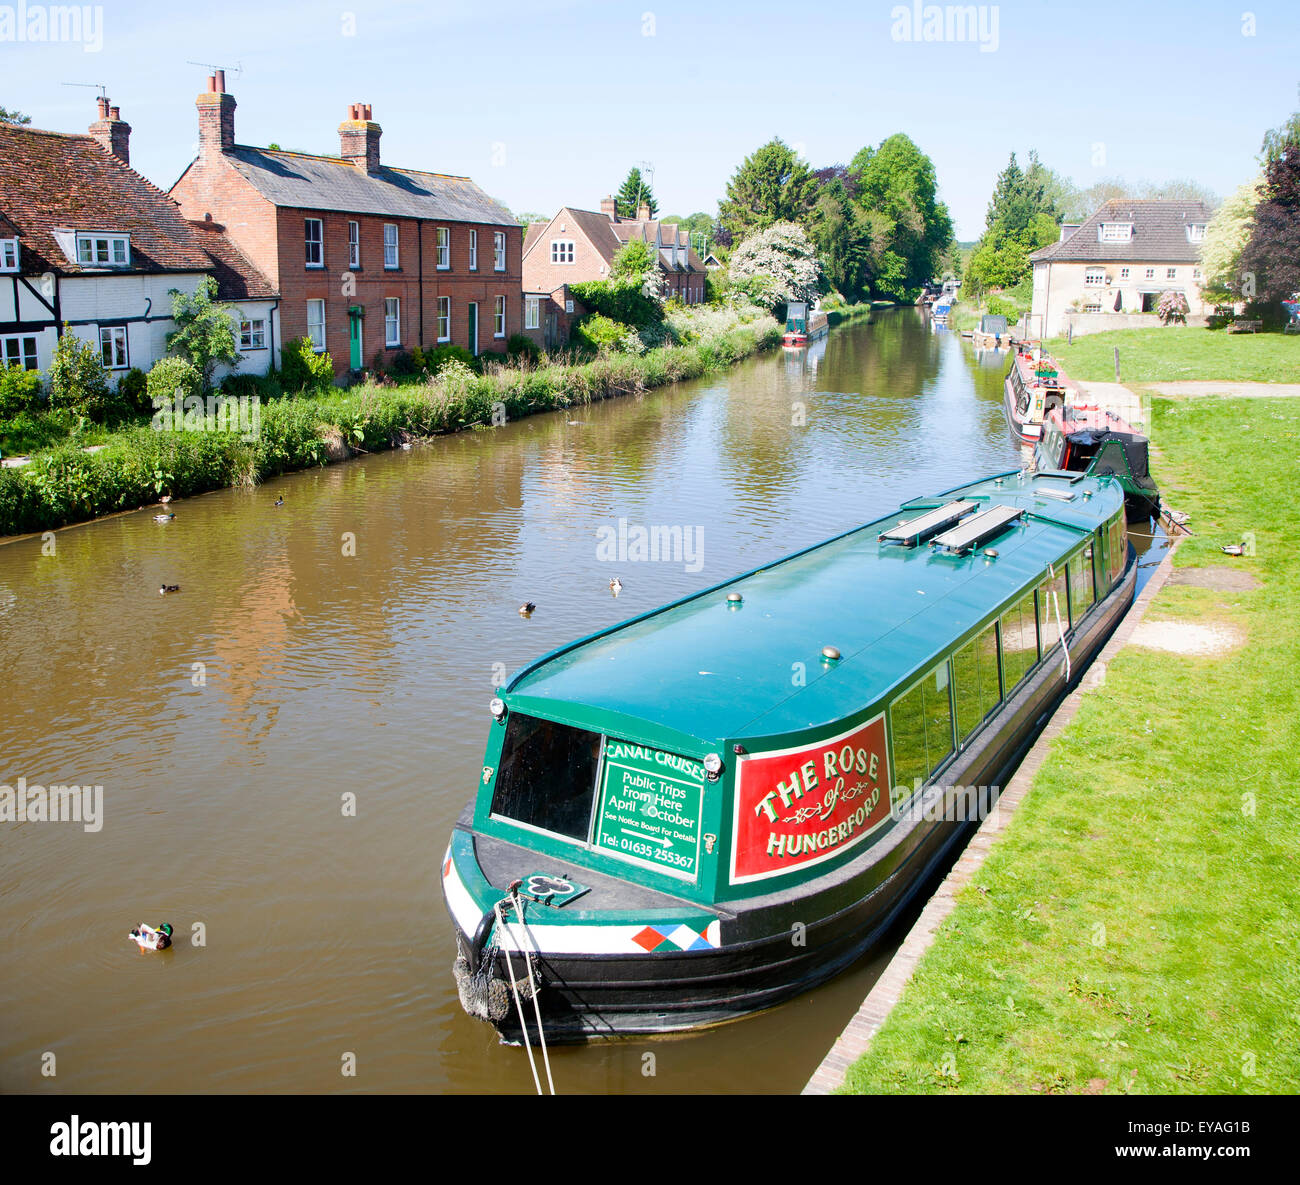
column 325, row 675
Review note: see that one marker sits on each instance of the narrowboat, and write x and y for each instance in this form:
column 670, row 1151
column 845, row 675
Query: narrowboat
column 1032, row 388
column 1094, row 440
column 803, row 326
column 992, row 333
column 715, row 806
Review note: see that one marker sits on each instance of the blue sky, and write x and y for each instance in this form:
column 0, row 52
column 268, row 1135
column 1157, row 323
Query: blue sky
column 549, row 102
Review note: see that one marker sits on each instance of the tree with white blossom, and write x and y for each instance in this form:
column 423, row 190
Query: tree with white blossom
column 776, row 265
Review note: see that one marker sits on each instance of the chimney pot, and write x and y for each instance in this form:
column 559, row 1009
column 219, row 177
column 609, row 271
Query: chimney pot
column 102, row 104
column 212, row 84
column 115, row 113
column 220, row 78
column 360, row 145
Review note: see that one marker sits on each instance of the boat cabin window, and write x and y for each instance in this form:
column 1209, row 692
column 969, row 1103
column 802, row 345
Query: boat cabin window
column 921, row 722
column 1019, row 641
column 547, row 776
column 976, row 687
column 1116, row 548
column 1082, row 593
column 1053, row 611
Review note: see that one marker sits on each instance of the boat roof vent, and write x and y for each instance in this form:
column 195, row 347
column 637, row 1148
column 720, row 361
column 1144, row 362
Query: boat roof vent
column 911, row 532
column 976, row 529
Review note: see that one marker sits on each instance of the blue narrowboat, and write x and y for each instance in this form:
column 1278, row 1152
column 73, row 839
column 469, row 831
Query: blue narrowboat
column 710, row 808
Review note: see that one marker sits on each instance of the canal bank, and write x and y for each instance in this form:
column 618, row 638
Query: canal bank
column 1130, row 930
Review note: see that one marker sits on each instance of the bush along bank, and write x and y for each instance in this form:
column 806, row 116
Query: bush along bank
column 139, row 464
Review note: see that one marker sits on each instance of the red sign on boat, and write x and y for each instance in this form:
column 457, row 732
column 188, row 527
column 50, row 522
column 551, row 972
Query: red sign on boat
column 798, row 807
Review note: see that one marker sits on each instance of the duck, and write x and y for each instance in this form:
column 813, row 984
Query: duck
column 164, row 518
column 164, row 589
column 164, row 500
column 280, row 500
column 526, row 609
column 616, row 586
column 1234, row 549
column 147, row 938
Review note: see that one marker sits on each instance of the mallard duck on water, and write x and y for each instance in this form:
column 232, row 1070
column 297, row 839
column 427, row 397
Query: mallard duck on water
column 147, row 938
column 526, row 609
column 164, row 518
column 164, row 589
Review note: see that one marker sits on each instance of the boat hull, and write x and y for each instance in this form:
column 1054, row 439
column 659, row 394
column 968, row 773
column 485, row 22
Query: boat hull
column 783, row 944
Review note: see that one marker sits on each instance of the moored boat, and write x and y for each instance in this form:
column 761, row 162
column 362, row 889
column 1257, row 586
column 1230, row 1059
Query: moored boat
column 1095, row 441
column 710, row 808
column 1032, row 388
column 802, row 325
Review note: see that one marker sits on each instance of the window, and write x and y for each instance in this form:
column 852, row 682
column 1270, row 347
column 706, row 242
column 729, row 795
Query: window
column 8, row 255
column 354, row 244
column 976, row 686
column 1093, row 307
column 1196, row 232
column 1171, row 273
column 1116, row 548
column 1197, row 274
column 104, row 250
column 546, row 778
column 444, row 318
column 252, row 335
column 561, row 250
column 444, row 247
column 1019, row 642
column 1094, row 275
column 499, row 317
column 1123, row 273
column 473, row 250
column 1115, row 232
column 390, row 245
column 316, row 324
column 1081, row 587
column 112, row 347
column 1151, row 273
column 532, row 312
column 921, row 721
column 499, row 250
column 18, row 351
column 392, row 322
column 1053, row 611
column 314, row 231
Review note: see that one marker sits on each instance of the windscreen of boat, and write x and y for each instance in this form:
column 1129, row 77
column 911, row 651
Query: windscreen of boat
column 547, row 776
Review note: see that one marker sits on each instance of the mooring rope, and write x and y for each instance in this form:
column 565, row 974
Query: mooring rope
column 1060, row 633
column 519, row 1004
column 535, row 980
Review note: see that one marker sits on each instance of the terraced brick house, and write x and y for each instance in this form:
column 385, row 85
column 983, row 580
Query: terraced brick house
column 1109, row 272
column 577, row 246
column 370, row 260
column 88, row 246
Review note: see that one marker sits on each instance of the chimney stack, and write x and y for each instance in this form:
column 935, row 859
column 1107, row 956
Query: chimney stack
column 359, row 138
column 216, row 117
column 643, row 212
column 609, row 207
column 111, row 132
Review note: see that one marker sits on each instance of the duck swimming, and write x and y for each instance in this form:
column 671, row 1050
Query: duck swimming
column 616, row 586
column 164, row 589
column 280, row 500
column 147, row 938
column 526, row 609
column 164, row 518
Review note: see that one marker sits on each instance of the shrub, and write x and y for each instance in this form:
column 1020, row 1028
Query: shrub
column 620, row 300
column 205, row 330
column 439, row 356
column 1172, row 306
column 133, row 391
column 236, row 385
column 598, row 333
column 172, row 377
column 78, row 380
column 999, row 307
column 520, row 345
column 20, row 390
column 403, row 365
column 302, row 369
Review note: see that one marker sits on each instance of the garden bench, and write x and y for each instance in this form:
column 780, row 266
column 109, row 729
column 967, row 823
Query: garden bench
column 1240, row 326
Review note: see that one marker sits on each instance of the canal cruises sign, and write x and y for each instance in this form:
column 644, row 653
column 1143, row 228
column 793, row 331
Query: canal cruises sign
column 650, row 808
column 798, row 807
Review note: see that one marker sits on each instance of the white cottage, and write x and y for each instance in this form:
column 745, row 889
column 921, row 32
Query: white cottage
column 90, row 247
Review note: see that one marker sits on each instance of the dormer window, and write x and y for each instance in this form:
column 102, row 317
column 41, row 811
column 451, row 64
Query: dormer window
column 1195, row 232
column 1115, row 232
column 8, row 255
column 97, row 250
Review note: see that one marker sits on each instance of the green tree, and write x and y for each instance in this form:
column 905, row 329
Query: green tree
column 634, row 193
column 1021, row 218
column 771, row 185
column 17, row 117
column 205, row 330
column 78, row 380
column 842, row 235
column 1226, row 237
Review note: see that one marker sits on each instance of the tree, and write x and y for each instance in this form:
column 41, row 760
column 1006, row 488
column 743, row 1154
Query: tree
column 78, row 380
column 771, row 185
column 637, row 261
column 635, row 193
column 776, row 265
column 1021, row 218
column 15, row 117
column 910, row 229
column 1226, row 237
column 205, row 331
column 1272, row 255
column 842, row 236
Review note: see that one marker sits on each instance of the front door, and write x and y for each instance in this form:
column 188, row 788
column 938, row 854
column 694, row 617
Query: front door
column 354, row 335
column 473, row 328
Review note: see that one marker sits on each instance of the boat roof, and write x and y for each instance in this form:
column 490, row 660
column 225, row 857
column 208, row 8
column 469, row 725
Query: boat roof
column 700, row 671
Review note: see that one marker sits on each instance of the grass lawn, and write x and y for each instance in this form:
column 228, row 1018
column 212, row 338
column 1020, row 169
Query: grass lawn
column 1156, row 355
column 1136, row 927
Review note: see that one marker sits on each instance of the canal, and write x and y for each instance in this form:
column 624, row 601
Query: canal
column 284, row 744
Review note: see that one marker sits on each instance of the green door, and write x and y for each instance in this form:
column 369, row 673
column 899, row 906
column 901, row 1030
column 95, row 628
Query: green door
column 473, row 328
column 354, row 335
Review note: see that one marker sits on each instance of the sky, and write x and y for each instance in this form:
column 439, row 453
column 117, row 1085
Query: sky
column 549, row 102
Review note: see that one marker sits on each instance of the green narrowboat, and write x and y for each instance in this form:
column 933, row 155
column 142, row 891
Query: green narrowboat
column 710, row 808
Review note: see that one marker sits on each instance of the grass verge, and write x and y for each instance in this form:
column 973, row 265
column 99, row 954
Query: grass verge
column 1134, row 930
column 1181, row 353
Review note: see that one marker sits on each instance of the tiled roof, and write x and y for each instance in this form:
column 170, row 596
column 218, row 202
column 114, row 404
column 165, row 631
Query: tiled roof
column 607, row 237
column 237, row 279
column 7, row 229
column 330, row 183
column 1159, row 234
column 54, row 181
column 533, row 233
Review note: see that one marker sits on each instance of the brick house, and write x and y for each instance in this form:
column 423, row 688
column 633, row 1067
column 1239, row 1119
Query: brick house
column 88, row 246
column 578, row 246
column 370, row 260
column 1109, row 272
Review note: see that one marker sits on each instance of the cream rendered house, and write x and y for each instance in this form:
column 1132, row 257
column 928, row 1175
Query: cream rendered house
column 1109, row 272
